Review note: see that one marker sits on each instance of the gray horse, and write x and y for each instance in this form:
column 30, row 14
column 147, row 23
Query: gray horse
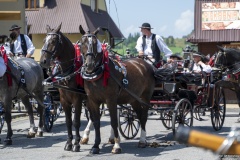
column 26, row 77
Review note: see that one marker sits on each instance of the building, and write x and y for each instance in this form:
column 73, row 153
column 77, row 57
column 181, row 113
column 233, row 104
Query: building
column 216, row 22
column 37, row 14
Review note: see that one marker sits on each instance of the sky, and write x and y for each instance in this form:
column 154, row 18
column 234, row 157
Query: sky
column 167, row 17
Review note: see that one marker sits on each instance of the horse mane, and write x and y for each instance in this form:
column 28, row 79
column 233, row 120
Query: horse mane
column 68, row 41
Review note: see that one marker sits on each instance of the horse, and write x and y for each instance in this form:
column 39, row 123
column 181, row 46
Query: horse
column 106, row 81
column 228, row 61
column 59, row 51
column 22, row 80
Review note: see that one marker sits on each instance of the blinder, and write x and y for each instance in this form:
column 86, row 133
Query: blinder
column 53, row 52
column 90, row 38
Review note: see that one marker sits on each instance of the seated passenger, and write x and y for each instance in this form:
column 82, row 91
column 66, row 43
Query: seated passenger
column 174, row 61
column 199, row 64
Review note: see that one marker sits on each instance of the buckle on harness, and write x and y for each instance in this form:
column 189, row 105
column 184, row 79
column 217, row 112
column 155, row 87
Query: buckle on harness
column 125, row 81
column 22, row 80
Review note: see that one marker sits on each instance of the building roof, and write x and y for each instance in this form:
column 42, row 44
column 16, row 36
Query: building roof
column 199, row 35
column 71, row 14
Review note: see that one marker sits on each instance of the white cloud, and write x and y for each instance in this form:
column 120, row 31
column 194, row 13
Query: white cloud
column 131, row 29
column 162, row 29
column 185, row 21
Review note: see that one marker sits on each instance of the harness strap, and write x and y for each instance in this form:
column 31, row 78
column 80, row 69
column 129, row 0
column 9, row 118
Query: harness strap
column 128, row 91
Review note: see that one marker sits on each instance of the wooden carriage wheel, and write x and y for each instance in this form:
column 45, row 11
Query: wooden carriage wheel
column 182, row 114
column 49, row 117
column 166, row 116
column 128, row 123
column 219, row 109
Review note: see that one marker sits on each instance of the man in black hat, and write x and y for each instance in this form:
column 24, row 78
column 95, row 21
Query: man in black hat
column 152, row 45
column 22, row 46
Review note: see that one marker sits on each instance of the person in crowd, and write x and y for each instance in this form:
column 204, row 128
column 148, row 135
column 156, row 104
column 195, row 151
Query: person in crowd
column 152, row 45
column 199, row 63
column 21, row 44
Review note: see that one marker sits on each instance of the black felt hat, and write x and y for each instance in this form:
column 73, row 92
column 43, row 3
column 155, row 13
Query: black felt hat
column 14, row 27
column 198, row 54
column 146, row 25
column 176, row 56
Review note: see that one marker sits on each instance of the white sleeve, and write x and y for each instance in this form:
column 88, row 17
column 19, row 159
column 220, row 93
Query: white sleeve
column 30, row 47
column 163, row 47
column 7, row 48
column 207, row 68
column 139, row 44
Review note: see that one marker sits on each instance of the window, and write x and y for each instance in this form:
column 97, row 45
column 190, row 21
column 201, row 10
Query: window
column 93, row 4
column 31, row 4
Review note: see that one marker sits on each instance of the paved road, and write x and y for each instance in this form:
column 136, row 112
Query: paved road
column 50, row 147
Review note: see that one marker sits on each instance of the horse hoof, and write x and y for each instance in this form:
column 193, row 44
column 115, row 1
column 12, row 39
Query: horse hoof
column 94, row 151
column 116, row 150
column 84, row 141
column 68, row 147
column 39, row 134
column 76, row 148
column 31, row 135
column 142, row 145
column 8, row 141
column 111, row 141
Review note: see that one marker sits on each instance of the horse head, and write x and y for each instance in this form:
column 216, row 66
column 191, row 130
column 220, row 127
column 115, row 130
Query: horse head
column 52, row 43
column 91, row 50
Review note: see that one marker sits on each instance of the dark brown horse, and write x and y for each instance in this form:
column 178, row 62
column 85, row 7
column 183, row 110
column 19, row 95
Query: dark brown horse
column 58, row 49
column 228, row 60
column 103, row 83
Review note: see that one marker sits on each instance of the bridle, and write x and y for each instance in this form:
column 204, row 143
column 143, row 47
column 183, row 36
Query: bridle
column 52, row 52
column 98, row 64
column 90, row 51
column 223, row 62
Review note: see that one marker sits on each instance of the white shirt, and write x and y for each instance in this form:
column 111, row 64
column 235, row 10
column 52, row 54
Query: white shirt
column 17, row 46
column 148, row 50
column 205, row 68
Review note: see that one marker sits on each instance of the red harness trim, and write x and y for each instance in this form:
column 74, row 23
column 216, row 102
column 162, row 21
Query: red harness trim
column 106, row 73
column 5, row 58
column 78, row 64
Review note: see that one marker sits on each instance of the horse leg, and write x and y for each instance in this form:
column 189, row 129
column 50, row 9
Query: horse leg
column 111, row 137
column 28, row 106
column 77, row 124
column 112, row 106
column 40, row 110
column 237, row 91
column 95, row 117
column 68, row 117
column 142, row 113
column 8, row 118
column 86, row 132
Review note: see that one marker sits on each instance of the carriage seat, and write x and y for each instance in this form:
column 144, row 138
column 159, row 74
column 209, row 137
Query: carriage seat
column 164, row 74
column 195, row 78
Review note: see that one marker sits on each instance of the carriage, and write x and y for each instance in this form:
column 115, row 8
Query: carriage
column 181, row 97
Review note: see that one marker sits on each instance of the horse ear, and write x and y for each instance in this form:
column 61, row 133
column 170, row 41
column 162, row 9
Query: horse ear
column 81, row 30
column 221, row 48
column 59, row 27
column 96, row 31
column 48, row 29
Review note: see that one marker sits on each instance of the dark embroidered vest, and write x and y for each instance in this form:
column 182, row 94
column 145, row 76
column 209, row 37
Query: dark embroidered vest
column 155, row 50
column 23, row 45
